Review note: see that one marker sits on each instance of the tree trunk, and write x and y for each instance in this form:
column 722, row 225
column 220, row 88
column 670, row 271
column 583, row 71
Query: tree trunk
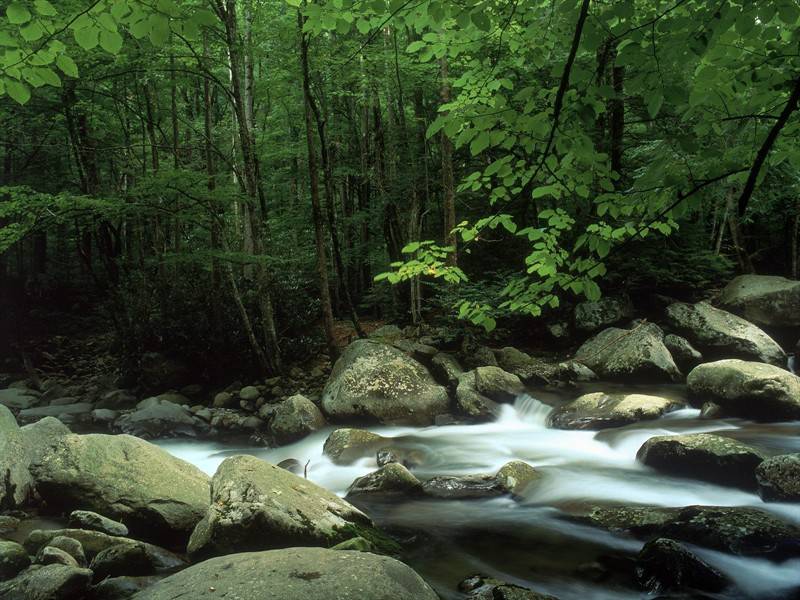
column 316, row 209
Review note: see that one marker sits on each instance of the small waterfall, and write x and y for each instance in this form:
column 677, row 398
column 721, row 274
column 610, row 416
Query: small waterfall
column 531, row 411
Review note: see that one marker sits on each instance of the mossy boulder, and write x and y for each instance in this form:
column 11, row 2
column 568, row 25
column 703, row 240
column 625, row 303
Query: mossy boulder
column 599, row 410
column 16, row 483
column 704, row 456
column 295, row 418
column 665, row 565
column 376, row 382
column 470, row 402
column 685, row 355
column 637, row 354
column 720, row 334
column 48, row 582
column 392, row 479
column 523, row 365
column 258, row 506
column 609, row 310
column 13, row 559
column 347, row 445
column 511, row 479
column 158, row 417
column 779, row 478
column 157, row 496
column 765, row 300
column 295, row 574
column 747, row 389
column 497, row 384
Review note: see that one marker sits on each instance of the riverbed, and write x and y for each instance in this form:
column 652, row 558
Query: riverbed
column 528, row 540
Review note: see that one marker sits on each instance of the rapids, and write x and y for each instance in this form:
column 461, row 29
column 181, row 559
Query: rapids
column 525, row 541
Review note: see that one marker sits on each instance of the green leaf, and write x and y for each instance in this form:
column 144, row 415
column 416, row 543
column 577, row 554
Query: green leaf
column 87, row 37
column 546, row 190
column 159, row 29
column 17, row 15
column 111, row 41
column 480, row 143
column 18, row 91
column 654, row 104
column 31, row 32
column 49, row 76
column 44, row 8
column 67, row 65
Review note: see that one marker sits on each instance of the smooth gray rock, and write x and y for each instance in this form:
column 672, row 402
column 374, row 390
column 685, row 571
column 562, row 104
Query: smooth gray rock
column 295, row 574
column 85, row 519
column 295, row 418
column 720, row 334
column 765, row 300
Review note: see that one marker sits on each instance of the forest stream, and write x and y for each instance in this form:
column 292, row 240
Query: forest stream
column 531, row 541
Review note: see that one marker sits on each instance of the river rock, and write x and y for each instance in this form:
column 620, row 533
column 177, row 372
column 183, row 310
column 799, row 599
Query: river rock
column 684, row 354
column 39, row 436
column 511, row 479
column 295, row 574
column 50, row 555
column 345, row 446
column 19, row 399
column 599, row 410
column 16, row 483
column 446, row 369
column 122, row 588
column 637, row 354
column 69, row 545
column 390, row 480
column 377, row 382
column 258, row 506
column 123, row 559
column 747, row 389
column 765, row 300
column 156, row 417
column 479, row 587
column 295, row 418
column 120, row 399
column 85, row 519
column 665, row 565
column 13, row 559
column 703, row 456
column 497, row 384
column 470, row 402
column 609, row 310
column 65, row 412
column 522, row 365
column 779, row 478
column 720, row 334
column 249, row 393
column 159, row 497
column 48, row 582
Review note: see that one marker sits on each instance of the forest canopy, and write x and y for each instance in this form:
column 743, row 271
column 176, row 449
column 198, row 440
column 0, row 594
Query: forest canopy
column 252, row 173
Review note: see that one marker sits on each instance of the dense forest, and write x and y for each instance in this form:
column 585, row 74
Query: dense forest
column 223, row 175
column 494, row 232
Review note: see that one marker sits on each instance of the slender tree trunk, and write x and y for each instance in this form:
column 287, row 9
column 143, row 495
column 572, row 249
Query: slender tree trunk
column 448, row 179
column 745, row 264
column 316, row 208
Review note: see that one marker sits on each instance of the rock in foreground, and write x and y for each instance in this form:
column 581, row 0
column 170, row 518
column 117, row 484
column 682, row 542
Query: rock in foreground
column 779, row 478
column 295, row 574
column 258, row 506
column 764, row 299
column 158, row 497
column 747, row 389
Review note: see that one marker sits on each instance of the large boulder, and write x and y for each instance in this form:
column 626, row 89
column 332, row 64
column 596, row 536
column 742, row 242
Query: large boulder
column 347, row 445
column 295, row 418
column 609, row 310
column 16, row 484
column 376, row 382
column 498, row 385
column 470, row 402
column 157, row 496
column 392, row 479
column 779, row 478
column 159, row 417
column 685, row 355
column 720, row 334
column 765, row 300
column 13, row 559
column 747, row 389
column 295, row 574
column 258, row 506
column 636, row 354
column 19, row 398
column 524, row 366
column 599, row 410
column 666, row 565
column 49, row 582
column 703, row 456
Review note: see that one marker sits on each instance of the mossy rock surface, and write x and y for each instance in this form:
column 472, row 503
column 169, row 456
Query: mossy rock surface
column 294, row 574
column 765, row 300
column 599, row 410
column 258, row 506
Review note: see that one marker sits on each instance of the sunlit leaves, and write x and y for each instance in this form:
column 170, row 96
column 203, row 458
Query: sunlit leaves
column 18, row 13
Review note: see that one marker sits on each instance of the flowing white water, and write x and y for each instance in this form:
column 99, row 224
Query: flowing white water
column 579, row 468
